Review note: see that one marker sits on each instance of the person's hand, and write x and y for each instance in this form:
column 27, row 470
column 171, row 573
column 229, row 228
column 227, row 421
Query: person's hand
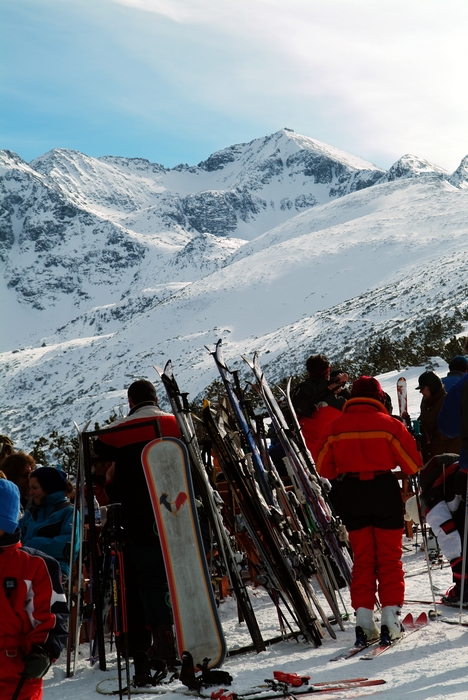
column 339, row 381
column 110, row 472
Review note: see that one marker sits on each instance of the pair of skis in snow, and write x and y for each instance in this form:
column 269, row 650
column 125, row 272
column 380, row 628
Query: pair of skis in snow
column 377, row 647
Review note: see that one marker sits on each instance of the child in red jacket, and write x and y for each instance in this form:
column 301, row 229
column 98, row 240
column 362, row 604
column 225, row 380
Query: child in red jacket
column 32, row 603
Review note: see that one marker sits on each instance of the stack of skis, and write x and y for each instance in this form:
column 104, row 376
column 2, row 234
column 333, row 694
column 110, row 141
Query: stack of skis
column 284, row 525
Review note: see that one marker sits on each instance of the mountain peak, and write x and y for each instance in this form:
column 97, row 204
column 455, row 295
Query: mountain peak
column 412, row 166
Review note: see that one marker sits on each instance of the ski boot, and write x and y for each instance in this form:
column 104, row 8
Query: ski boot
column 366, row 629
column 143, row 676
column 163, row 647
column 390, row 624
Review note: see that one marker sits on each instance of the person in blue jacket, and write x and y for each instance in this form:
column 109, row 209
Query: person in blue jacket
column 47, row 526
column 452, row 420
column 458, row 367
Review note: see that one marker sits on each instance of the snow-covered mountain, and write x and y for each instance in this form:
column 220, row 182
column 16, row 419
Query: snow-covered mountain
column 283, row 245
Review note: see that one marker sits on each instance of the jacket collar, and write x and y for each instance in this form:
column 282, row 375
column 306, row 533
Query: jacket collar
column 365, row 401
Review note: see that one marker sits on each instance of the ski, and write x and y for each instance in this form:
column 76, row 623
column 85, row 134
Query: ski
column 453, row 621
column 76, row 586
column 410, row 626
column 352, row 651
column 288, row 692
column 108, row 686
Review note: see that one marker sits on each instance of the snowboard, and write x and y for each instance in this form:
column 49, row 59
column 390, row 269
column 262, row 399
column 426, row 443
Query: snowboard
column 197, row 627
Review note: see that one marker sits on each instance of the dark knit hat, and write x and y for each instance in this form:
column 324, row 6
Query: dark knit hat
column 142, row 390
column 459, row 363
column 367, row 387
column 431, row 381
column 50, row 479
column 318, row 364
column 9, row 506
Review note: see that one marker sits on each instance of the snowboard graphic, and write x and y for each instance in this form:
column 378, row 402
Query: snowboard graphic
column 198, row 629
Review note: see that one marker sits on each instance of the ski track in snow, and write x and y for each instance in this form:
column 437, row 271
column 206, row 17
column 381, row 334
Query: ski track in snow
column 431, row 664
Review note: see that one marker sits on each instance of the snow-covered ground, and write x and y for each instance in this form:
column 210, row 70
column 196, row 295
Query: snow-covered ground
column 430, row 664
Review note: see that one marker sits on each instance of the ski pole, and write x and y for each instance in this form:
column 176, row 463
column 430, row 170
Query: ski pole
column 424, row 537
column 465, row 541
column 19, row 687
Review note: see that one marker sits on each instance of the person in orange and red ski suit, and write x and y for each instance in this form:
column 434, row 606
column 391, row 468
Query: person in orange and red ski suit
column 360, row 449
column 32, row 604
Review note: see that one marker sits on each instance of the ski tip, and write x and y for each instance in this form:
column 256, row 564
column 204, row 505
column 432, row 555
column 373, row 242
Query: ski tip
column 408, row 620
column 422, row 618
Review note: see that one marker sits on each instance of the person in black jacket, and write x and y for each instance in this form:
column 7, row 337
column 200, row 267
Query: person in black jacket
column 318, row 400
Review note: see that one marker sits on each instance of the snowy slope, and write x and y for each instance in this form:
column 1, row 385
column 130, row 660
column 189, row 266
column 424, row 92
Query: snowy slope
column 95, row 303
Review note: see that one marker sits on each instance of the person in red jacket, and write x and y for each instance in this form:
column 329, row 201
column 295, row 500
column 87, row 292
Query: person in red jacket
column 32, row 604
column 147, row 591
column 360, row 449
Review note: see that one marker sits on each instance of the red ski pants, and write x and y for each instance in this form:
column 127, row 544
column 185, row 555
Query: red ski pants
column 377, row 567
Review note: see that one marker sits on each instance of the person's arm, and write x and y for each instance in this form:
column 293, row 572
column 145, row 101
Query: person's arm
column 303, row 399
column 325, row 464
column 405, row 449
column 46, row 606
column 55, row 545
column 464, row 417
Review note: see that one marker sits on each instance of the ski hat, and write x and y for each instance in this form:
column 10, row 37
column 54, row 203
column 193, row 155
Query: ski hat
column 50, row 479
column 459, row 363
column 368, row 387
column 9, row 506
column 318, row 364
column 431, row 380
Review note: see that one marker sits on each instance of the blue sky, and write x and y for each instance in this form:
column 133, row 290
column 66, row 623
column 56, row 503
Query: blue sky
column 175, row 80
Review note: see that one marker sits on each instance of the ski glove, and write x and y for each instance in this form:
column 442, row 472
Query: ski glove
column 36, row 663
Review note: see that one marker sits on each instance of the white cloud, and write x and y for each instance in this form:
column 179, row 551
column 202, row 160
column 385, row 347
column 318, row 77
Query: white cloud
column 387, row 77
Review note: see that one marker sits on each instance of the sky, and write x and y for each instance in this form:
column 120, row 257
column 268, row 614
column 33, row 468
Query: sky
column 176, row 80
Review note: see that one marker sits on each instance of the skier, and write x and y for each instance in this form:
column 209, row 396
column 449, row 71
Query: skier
column 145, row 579
column 433, row 441
column 360, row 448
column 317, row 400
column 33, row 605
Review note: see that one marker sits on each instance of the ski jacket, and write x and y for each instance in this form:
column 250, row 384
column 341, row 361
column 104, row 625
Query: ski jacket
column 363, row 440
column 434, row 442
column 314, row 426
column 122, row 442
column 452, row 420
column 33, row 612
column 32, row 601
column 451, row 379
column 312, row 391
column 48, row 528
